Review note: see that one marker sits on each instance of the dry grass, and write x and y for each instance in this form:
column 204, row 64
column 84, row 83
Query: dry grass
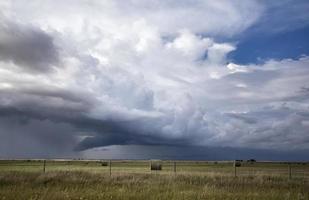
column 134, row 180
column 84, row 185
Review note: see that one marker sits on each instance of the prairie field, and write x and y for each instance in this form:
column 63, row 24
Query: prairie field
column 124, row 179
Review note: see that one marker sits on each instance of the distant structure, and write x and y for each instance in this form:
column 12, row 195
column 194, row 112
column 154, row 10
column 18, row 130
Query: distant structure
column 237, row 163
column 251, row 161
column 155, row 165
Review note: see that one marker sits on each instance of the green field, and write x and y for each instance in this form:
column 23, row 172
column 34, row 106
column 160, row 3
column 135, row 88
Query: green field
column 75, row 179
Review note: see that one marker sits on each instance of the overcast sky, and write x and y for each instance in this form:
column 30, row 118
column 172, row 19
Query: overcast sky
column 183, row 79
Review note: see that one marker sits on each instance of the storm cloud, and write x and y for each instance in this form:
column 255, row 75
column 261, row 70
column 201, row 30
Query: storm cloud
column 26, row 46
column 77, row 75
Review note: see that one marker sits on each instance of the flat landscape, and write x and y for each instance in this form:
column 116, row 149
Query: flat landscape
column 125, row 179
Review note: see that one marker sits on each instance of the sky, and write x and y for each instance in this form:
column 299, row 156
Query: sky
column 145, row 79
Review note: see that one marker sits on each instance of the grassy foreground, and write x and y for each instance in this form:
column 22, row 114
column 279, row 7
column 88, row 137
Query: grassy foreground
column 87, row 185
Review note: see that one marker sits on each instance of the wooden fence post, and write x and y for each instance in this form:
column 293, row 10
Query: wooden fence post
column 150, row 164
column 290, row 171
column 110, row 168
column 175, row 167
column 44, row 165
column 235, row 173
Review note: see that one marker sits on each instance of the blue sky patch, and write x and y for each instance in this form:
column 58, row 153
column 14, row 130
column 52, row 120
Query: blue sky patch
column 258, row 47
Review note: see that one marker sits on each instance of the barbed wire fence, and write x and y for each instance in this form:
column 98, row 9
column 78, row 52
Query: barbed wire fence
column 236, row 168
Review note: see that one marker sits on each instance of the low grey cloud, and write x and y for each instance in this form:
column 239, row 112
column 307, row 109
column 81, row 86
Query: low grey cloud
column 28, row 47
column 23, row 137
column 192, row 153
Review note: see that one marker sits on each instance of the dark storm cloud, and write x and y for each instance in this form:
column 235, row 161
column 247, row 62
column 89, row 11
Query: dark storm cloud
column 194, row 153
column 99, row 132
column 40, row 122
column 43, row 104
column 26, row 46
column 27, row 107
column 122, row 133
column 25, row 137
column 36, row 105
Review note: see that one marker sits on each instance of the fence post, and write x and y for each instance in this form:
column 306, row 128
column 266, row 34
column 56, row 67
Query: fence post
column 150, row 164
column 290, row 171
column 44, row 165
column 235, row 173
column 110, row 168
column 175, row 167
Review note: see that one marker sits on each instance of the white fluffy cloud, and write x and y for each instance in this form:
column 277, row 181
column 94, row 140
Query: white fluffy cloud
column 201, row 16
column 155, row 72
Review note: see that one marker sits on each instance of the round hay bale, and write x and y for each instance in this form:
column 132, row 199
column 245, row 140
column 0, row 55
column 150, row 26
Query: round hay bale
column 156, row 166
